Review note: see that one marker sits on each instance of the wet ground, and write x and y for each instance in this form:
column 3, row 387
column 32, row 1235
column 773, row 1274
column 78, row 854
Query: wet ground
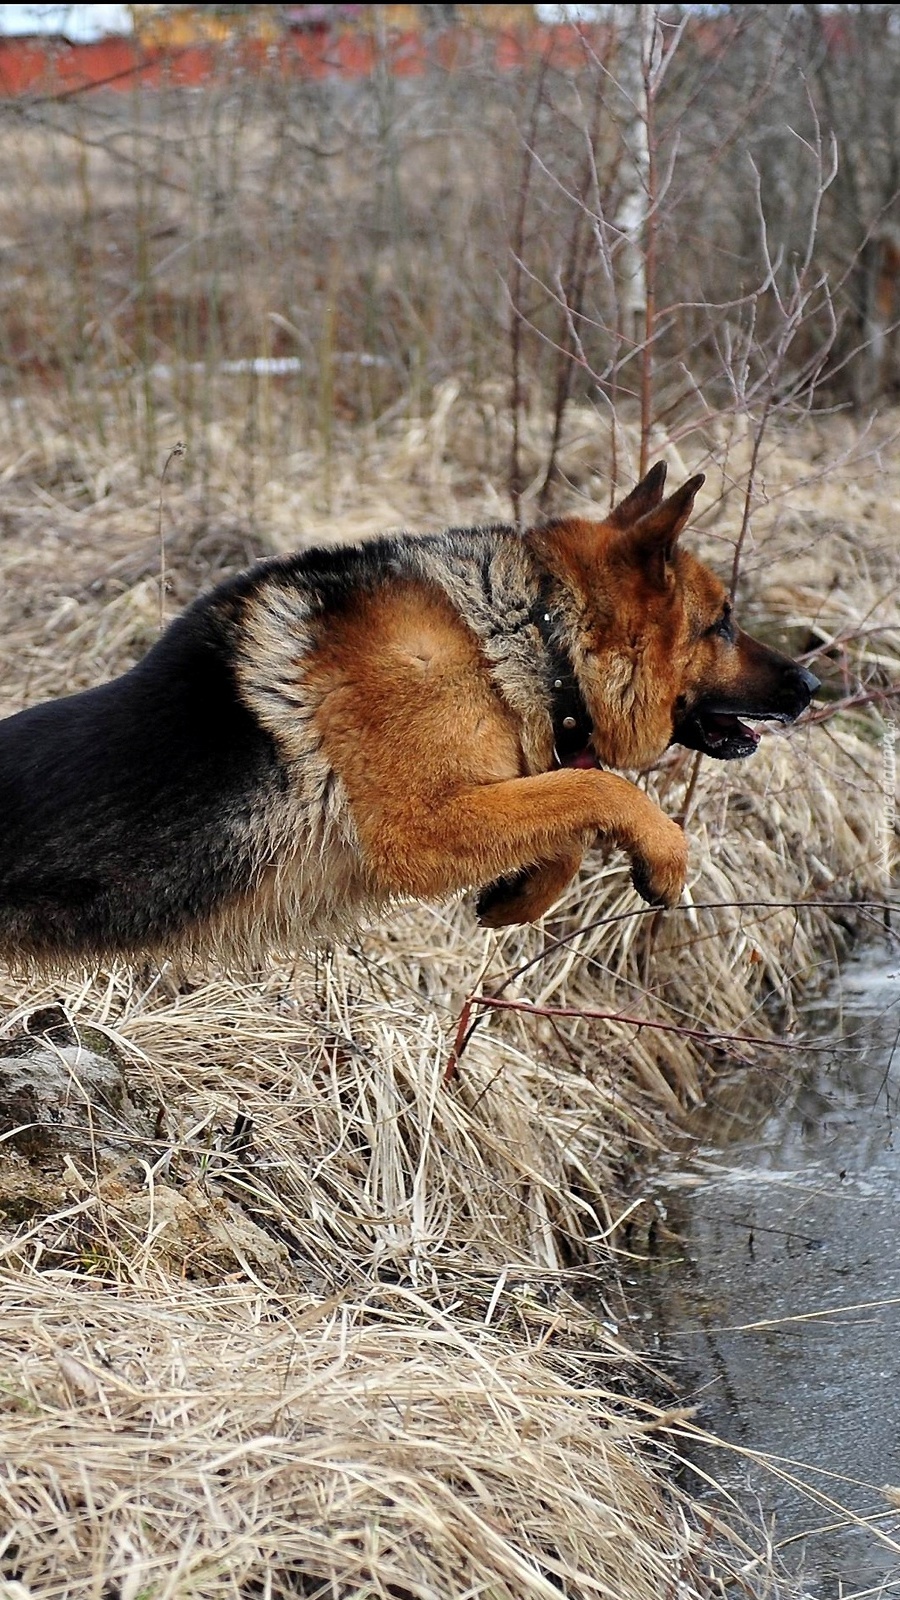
column 778, row 1299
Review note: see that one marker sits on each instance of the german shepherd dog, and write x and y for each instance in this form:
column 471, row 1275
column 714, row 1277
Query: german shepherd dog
column 406, row 718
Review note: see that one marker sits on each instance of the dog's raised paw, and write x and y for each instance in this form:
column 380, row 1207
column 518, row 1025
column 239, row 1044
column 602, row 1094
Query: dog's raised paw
column 640, row 877
column 660, row 883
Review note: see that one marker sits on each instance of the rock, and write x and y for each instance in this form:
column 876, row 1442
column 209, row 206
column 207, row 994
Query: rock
column 201, row 1235
column 56, row 1098
column 69, row 1129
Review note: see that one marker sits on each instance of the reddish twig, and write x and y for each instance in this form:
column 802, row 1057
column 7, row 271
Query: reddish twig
column 516, row 477
column 648, row 43
column 467, row 1025
column 868, row 698
column 460, row 1042
column 589, row 1013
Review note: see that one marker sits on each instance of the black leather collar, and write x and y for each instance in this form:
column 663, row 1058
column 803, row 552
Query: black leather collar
column 572, row 723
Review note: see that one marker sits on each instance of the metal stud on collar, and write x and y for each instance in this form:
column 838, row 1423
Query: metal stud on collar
column 569, row 715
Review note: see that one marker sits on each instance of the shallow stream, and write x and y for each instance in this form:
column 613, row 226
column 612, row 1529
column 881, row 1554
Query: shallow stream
column 772, row 1289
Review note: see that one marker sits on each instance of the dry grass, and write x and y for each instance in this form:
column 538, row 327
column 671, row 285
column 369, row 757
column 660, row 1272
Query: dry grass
column 213, row 1443
column 306, row 1325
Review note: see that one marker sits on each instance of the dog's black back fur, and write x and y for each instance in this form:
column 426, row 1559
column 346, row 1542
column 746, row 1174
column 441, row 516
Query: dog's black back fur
column 123, row 809
column 131, row 812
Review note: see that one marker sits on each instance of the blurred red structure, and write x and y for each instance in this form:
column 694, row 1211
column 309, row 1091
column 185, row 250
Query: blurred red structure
column 56, row 68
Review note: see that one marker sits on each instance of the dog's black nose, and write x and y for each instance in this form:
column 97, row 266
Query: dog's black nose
column 808, row 680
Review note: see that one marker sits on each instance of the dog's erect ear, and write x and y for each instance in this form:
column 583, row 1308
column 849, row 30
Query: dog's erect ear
column 650, row 542
column 644, row 497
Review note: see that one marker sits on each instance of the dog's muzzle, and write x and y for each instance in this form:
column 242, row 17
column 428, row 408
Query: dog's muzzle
column 715, row 726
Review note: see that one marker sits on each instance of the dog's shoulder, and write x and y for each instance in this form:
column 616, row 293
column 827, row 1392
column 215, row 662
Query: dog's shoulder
column 265, row 626
column 277, row 609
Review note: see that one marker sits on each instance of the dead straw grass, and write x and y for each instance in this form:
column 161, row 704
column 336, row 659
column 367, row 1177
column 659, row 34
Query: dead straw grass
column 213, row 1444
column 308, row 1329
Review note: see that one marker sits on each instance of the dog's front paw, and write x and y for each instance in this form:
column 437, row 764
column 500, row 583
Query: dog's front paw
column 659, row 877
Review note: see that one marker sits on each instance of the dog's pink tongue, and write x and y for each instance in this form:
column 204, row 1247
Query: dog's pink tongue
column 724, row 723
column 584, row 758
column 747, row 733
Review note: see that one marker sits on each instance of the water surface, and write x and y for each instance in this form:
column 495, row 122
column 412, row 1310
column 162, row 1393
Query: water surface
column 778, row 1301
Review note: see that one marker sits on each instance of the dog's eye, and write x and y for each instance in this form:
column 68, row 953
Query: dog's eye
column 724, row 628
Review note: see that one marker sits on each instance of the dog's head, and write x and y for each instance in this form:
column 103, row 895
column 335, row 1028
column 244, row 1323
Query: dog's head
column 658, row 654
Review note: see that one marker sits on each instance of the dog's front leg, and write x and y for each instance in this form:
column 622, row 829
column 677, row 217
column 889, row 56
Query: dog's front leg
column 428, row 845
column 526, row 895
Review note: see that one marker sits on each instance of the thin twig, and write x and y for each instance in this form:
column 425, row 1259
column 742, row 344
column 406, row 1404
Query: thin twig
column 590, row 1013
column 176, row 452
column 468, row 1025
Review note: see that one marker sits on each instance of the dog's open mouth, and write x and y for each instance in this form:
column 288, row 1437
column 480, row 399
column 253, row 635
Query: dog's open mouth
column 721, row 733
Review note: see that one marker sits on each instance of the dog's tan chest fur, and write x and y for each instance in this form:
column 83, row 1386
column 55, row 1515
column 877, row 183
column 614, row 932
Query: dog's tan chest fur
column 383, row 711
